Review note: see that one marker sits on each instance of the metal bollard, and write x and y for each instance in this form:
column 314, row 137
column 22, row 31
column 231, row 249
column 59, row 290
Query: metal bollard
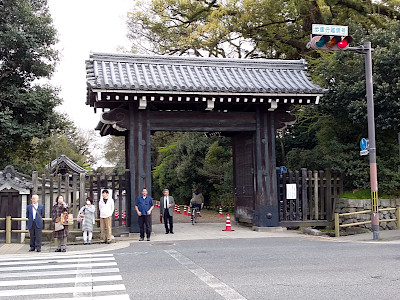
column 8, row 229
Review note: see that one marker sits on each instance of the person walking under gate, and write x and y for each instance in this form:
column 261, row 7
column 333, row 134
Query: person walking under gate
column 167, row 204
column 144, row 205
column 34, row 213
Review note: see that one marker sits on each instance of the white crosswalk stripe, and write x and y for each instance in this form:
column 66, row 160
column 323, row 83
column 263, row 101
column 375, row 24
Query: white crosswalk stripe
column 55, row 276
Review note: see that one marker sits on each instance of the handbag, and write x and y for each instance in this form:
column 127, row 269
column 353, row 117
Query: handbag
column 80, row 217
column 58, row 226
column 67, row 219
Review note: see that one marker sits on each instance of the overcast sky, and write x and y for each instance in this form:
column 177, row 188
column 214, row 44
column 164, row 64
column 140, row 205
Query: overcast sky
column 84, row 26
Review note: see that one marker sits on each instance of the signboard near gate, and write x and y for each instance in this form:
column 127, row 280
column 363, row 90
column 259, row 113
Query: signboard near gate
column 291, row 191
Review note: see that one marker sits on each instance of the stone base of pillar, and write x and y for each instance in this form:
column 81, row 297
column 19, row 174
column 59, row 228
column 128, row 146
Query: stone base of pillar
column 269, row 229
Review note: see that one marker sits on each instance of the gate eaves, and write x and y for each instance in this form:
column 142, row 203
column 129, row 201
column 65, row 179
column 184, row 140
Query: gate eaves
column 162, row 83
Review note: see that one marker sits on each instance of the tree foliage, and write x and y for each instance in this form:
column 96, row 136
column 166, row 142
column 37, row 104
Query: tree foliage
column 244, row 28
column 114, row 154
column 190, row 160
column 342, row 120
column 75, row 143
column 326, row 135
column 27, row 110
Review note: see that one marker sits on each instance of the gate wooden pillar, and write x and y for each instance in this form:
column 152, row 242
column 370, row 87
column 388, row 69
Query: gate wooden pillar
column 254, row 172
column 138, row 160
column 266, row 200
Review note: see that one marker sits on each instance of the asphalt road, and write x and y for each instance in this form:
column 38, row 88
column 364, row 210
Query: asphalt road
column 262, row 268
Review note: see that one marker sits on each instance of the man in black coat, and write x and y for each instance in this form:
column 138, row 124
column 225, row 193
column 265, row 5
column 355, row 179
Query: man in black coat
column 167, row 204
column 34, row 213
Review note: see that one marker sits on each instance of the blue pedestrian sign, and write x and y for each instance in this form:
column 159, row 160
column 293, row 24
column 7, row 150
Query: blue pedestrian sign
column 282, row 170
column 364, row 144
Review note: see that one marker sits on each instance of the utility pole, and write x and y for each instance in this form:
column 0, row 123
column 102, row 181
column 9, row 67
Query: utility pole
column 336, row 38
column 367, row 49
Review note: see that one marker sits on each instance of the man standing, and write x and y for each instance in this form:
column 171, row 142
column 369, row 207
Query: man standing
column 144, row 205
column 34, row 213
column 166, row 210
column 106, row 207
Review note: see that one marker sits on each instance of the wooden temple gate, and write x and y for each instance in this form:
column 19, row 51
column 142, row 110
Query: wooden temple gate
column 244, row 99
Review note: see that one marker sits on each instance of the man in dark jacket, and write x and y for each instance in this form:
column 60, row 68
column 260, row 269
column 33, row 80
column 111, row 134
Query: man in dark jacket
column 34, row 213
column 144, row 205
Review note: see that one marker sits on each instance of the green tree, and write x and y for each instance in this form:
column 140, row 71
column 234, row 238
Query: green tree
column 345, row 104
column 218, row 168
column 244, row 28
column 114, row 153
column 26, row 54
column 191, row 160
column 280, row 29
column 76, row 144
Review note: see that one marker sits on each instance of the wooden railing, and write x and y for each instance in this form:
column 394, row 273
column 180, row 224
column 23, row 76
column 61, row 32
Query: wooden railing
column 8, row 230
column 337, row 218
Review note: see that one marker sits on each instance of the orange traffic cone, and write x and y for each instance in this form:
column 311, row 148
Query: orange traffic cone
column 220, row 212
column 123, row 217
column 228, row 224
column 178, row 209
column 184, row 210
column 175, row 209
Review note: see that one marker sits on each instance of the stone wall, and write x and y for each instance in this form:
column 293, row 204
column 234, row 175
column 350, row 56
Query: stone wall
column 345, row 205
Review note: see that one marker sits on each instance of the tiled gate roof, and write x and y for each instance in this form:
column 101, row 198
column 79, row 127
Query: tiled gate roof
column 198, row 75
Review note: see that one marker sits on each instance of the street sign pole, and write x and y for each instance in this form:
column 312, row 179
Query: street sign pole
column 327, row 38
column 372, row 146
column 367, row 50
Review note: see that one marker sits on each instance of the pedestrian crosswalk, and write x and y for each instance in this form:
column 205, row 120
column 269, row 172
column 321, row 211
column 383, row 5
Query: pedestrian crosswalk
column 61, row 276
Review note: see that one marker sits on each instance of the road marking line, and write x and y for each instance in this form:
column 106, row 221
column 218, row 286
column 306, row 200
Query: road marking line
column 61, row 290
column 44, row 256
column 217, row 285
column 66, row 266
column 81, row 281
column 107, row 297
column 47, row 273
column 14, row 263
column 89, row 279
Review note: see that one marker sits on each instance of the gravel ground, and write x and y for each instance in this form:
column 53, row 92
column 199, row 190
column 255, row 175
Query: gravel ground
column 208, row 216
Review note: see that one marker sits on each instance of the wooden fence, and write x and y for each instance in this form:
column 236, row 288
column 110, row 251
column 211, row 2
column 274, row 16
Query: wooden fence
column 313, row 202
column 312, row 205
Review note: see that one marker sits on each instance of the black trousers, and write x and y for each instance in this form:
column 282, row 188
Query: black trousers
column 145, row 221
column 168, row 219
column 35, row 241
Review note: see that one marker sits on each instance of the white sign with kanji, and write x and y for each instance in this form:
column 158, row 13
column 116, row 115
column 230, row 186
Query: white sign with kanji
column 290, row 191
column 321, row 29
